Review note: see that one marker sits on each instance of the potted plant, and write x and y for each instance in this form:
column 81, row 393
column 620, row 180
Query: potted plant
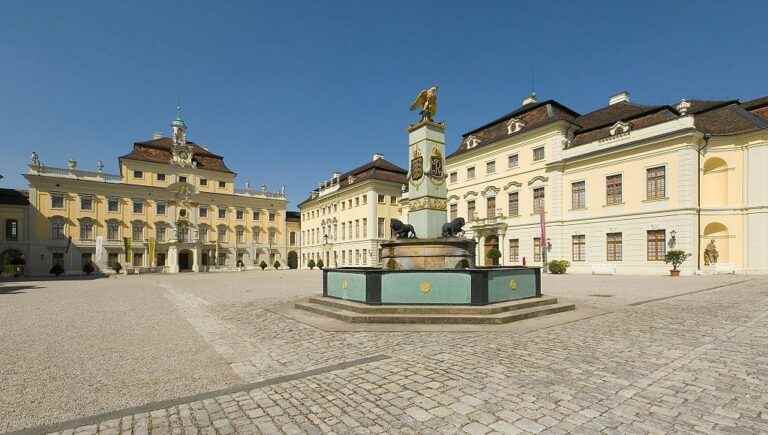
column 263, row 265
column 494, row 254
column 558, row 267
column 311, row 264
column 277, row 265
column 117, row 268
column 320, row 264
column 676, row 258
column 88, row 268
column 57, row 269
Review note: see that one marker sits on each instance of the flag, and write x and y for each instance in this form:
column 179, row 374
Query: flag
column 128, row 252
column 69, row 243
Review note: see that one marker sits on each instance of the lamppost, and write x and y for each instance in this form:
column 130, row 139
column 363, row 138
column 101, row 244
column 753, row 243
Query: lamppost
column 326, row 245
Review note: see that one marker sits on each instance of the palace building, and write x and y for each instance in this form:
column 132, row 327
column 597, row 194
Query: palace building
column 173, row 207
column 618, row 187
column 345, row 218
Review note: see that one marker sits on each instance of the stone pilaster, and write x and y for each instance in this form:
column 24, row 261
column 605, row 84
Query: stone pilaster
column 427, row 190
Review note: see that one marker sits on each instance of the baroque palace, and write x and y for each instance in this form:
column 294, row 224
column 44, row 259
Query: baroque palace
column 615, row 188
column 345, row 218
column 173, row 207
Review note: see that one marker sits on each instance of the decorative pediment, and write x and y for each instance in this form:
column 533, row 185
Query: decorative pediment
column 538, row 178
column 620, row 128
column 512, row 184
column 490, row 191
column 471, row 141
column 470, row 193
column 453, row 198
column 514, row 125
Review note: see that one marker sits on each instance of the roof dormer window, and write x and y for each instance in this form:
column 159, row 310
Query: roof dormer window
column 514, row 125
column 472, row 141
column 620, row 128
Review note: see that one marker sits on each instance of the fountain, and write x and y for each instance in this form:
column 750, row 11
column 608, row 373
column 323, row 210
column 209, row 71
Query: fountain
column 428, row 272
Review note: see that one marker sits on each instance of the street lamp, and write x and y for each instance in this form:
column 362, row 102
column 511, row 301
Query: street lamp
column 326, row 246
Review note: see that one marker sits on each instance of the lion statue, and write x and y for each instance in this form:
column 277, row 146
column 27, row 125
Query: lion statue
column 454, row 228
column 401, row 230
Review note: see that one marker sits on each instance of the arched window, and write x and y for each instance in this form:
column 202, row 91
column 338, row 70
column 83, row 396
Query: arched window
column 137, row 231
column 113, row 230
column 87, row 230
column 58, row 228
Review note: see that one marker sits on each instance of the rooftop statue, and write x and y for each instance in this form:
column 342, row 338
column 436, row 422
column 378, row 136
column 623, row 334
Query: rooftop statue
column 426, row 103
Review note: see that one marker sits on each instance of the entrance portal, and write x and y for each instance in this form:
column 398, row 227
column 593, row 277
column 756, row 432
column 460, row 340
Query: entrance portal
column 185, row 261
column 491, row 244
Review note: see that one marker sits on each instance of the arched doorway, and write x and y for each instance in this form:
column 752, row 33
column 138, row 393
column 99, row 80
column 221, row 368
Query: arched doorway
column 491, row 243
column 185, row 260
column 12, row 263
column 293, row 260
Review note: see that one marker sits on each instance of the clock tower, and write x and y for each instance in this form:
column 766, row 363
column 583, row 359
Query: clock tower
column 181, row 150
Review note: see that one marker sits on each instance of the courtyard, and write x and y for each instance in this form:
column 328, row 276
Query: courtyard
column 215, row 353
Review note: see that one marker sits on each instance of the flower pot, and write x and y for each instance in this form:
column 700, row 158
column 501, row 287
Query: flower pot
column 674, row 273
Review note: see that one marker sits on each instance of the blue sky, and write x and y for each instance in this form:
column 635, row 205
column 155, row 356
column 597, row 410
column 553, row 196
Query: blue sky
column 289, row 92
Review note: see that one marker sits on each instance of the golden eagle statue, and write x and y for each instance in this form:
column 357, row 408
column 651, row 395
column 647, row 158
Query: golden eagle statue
column 426, row 103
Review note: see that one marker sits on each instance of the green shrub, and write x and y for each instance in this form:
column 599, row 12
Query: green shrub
column 320, row 264
column 558, row 267
column 277, row 265
column 676, row 257
column 494, row 254
column 117, row 267
column 88, row 268
column 57, row 269
column 263, row 265
column 462, row 264
column 311, row 264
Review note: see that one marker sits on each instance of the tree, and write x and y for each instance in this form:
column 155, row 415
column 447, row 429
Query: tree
column 57, row 269
column 263, row 265
column 320, row 264
column 311, row 264
column 676, row 257
column 558, row 267
column 494, row 254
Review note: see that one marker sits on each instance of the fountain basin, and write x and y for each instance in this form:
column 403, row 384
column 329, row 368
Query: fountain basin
column 428, row 254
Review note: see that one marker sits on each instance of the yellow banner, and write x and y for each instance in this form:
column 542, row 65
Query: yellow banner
column 128, row 251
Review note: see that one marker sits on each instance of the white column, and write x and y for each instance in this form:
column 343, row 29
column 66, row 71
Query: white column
column 195, row 259
column 373, row 221
column 480, row 256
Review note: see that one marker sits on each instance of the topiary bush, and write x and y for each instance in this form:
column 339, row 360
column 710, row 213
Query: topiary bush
column 117, row 267
column 263, row 265
column 320, row 264
column 277, row 265
column 88, row 268
column 676, row 257
column 311, row 264
column 494, row 254
column 57, row 269
column 558, row 267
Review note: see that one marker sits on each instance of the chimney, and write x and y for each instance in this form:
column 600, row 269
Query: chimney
column 377, row 156
column 530, row 99
column 622, row 96
column 157, row 135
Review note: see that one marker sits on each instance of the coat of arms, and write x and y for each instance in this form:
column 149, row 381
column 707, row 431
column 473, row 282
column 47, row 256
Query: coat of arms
column 436, row 165
column 417, row 166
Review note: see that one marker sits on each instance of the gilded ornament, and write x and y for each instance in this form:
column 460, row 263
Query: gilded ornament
column 426, row 104
column 425, row 287
column 344, row 284
column 513, row 284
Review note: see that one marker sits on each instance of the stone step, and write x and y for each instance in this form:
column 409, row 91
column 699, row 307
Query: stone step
column 497, row 318
column 500, row 307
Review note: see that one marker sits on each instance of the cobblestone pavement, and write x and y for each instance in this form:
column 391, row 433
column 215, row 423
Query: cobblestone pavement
column 692, row 364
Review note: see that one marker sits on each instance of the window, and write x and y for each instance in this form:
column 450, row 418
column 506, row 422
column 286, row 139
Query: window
column 357, row 256
column 380, row 228
column 357, row 203
column 57, row 258
column 454, row 211
column 538, row 200
column 256, row 234
column 11, row 230
column 578, row 195
column 239, row 213
column 343, row 257
column 137, row 231
column 222, row 184
column 57, row 200
column 336, row 206
column 381, row 199
column 86, row 202
column 138, row 174
column 271, row 216
column 365, row 228
column 513, row 203
column 86, row 230
column 365, row 256
column 656, row 182
column 471, row 210
column 613, row 189
column 357, row 228
column 514, row 250
column 57, row 229
column 202, row 233
column 222, row 234
column 256, row 215
column 393, row 200
column 578, row 247
column 160, row 233
column 538, row 153
column 537, row 249
column 613, row 246
column 112, row 260
column 657, row 245
column 490, row 207
column 160, row 208
column 454, row 177
column 160, row 177
column 138, row 206
column 272, row 234
column 182, row 179
column 349, row 205
column 292, row 238
column 343, row 231
column 343, row 205
column 113, row 205
column 470, row 173
column 203, row 212
column 239, row 235
column 138, row 259
column 349, row 226
column 513, row 161
column 490, row 167
column 113, row 230
column 203, row 181
column 222, row 212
